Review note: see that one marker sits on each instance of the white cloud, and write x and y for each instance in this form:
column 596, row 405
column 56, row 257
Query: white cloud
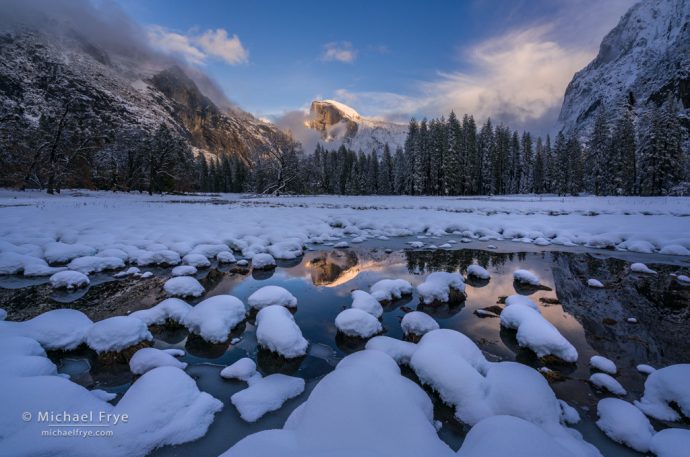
column 341, row 51
column 196, row 48
column 217, row 44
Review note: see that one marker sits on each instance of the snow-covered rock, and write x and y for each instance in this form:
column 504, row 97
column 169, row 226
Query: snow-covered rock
column 95, row 264
column 639, row 267
column 671, row 442
column 226, row 257
column 607, row 382
column 184, row 270
column 27, row 365
column 146, row 359
column 526, row 277
column 272, row 295
column 214, row 318
column 117, row 333
column 536, row 333
column 59, row 252
column 183, row 286
column 263, row 262
column 357, row 323
column 277, row 331
column 172, row 309
column 58, row 329
column 400, row 351
column 418, row 323
column 366, row 302
column 341, row 245
column 478, row 272
column 442, row 287
column 162, row 257
column 14, row 263
column 591, row 282
column 603, row 364
column 624, row 424
column 521, row 300
column 265, row 395
column 645, row 369
column 244, row 369
column 663, row 387
column 131, row 271
column 390, row 289
column 196, row 260
column 69, row 280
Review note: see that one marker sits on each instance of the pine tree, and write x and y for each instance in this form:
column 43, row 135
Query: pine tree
column 451, row 162
column 624, row 149
column 487, row 154
column 538, row 174
column 385, row 178
column 527, row 162
column 597, row 163
column 515, row 166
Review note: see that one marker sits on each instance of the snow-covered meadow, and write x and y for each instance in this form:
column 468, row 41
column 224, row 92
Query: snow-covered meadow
column 310, row 349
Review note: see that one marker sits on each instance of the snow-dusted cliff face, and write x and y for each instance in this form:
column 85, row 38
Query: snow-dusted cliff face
column 340, row 124
column 42, row 70
column 641, row 61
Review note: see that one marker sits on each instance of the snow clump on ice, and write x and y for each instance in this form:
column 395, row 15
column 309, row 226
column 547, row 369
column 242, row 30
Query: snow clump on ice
column 272, row 295
column 624, row 424
column 526, row 277
column 357, row 323
column 603, row 364
column 69, row 280
column 263, row 262
column 277, row 331
column 117, row 333
column 478, row 272
column 183, row 286
column 214, row 318
column 418, row 323
column 390, row 289
column 366, row 302
column 663, row 387
column 442, row 287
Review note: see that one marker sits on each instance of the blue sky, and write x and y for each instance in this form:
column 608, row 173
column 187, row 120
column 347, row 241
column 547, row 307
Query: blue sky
column 506, row 59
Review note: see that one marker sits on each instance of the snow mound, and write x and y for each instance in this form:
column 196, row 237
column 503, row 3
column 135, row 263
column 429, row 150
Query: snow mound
column 13, row 263
column 537, row 333
column 521, row 300
column 341, row 245
column 478, row 272
column 214, row 318
column 3, row 314
column 390, row 289
column 27, row 365
column 595, row 283
column 263, row 262
column 225, row 257
column 357, row 323
column 440, row 287
column 162, row 257
column 624, row 424
column 58, row 329
column 172, row 309
column 69, row 280
column 645, row 369
column 196, row 260
column 366, row 302
column 58, row 252
column 146, row 359
column 117, row 333
column 244, row 369
column 183, row 286
column 526, row 277
column 265, row 395
column 184, row 270
column 603, row 364
column 209, row 250
column 364, row 407
column 277, row 331
column 272, row 295
column 663, row 387
column 287, row 249
column 606, row 382
column 671, row 442
column 21, row 345
column 95, row 264
column 641, row 268
column 418, row 323
column 131, row 271
column 400, row 351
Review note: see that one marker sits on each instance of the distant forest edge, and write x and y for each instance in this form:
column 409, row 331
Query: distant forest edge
column 623, row 155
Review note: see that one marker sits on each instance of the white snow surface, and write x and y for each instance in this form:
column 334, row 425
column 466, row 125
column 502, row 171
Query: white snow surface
column 671, row 442
column 117, row 333
column 92, row 222
column 263, row 261
column 214, row 318
column 184, row 270
column 645, row 369
column 390, row 289
column 183, row 286
column 535, row 332
column 173, row 309
column 69, row 280
column 624, row 424
column 603, row 364
column 196, row 260
column 271, row 295
column 277, row 331
column 357, row 323
column 265, row 395
column 478, row 272
column 243, row 369
column 664, row 386
column 607, row 382
column 437, row 286
column 58, row 329
column 95, row 264
column 591, row 282
column 639, row 267
column 146, row 359
column 366, row 302
column 418, row 323
column 226, row 257
column 398, row 350
column 526, row 277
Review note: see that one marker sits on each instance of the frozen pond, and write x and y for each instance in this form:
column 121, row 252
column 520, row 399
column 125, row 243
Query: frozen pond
column 322, row 281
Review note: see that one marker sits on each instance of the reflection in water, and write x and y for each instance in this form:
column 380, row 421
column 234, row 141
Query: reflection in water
column 322, row 283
